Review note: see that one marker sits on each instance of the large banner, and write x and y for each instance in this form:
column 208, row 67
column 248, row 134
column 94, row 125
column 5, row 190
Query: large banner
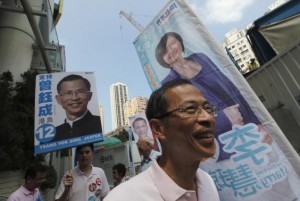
column 254, row 160
column 66, row 111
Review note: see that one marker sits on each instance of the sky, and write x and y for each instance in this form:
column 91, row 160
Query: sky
column 97, row 39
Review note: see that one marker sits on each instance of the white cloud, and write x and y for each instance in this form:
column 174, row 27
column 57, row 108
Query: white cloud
column 221, row 11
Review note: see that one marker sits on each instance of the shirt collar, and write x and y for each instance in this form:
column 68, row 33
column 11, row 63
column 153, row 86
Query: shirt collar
column 71, row 122
column 164, row 183
column 79, row 172
column 26, row 191
column 154, row 154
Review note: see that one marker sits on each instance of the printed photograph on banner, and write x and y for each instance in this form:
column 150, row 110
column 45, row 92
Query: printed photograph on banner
column 66, row 111
column 148, row 145
column 177, row 45
column 140, row 126
column 141, row 129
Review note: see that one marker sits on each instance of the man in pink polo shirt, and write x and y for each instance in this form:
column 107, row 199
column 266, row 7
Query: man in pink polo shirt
column 183, row 121
column 34, row 177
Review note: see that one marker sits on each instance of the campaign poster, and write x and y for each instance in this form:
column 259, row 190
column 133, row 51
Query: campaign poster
column 66, row 111
column 140, row 128
column 254, row 160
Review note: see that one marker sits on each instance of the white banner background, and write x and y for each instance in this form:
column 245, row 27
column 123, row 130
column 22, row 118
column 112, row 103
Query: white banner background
column 245, row 169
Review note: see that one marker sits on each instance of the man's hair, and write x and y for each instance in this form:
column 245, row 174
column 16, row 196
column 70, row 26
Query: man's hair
column 158, row 102
column 120, row 168
column 138, row 119
column 91, row 145
column 161, row 47
column 33, row 169
column 71, row 78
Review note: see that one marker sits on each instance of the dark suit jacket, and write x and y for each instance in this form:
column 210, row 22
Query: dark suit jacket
column 89, row 124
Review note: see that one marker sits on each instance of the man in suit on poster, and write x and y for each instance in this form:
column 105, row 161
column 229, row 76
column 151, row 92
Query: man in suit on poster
column 74, row 95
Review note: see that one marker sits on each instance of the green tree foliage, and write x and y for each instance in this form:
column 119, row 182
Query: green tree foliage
column 51, row 178
column 7, row 130
column 17, row 125
column 24, row 105
column 17, row 121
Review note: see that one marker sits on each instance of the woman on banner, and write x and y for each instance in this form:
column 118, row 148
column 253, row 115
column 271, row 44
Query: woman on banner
column 215, row 86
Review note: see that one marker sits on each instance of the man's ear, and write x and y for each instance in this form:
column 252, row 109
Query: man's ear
column 157, row 128
column 58, row 99
column 90, row 94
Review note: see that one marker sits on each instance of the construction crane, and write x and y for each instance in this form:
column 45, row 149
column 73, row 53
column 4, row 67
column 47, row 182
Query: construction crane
column 137, row 25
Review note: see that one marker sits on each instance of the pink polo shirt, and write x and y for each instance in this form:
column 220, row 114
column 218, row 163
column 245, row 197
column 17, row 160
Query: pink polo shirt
column 22, row 194
column 155, row 184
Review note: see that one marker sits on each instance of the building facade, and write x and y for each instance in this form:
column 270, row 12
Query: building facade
column 101, row 112
column 118, row 96
column 28, row 41
column 28, row 38
column 239, row 47
column 135, row 105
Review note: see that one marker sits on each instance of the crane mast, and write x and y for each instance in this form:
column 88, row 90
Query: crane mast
column 137, row 25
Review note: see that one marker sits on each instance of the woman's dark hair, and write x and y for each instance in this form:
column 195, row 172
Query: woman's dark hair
column 161, row 47
column 120, row 168
column 158, row 102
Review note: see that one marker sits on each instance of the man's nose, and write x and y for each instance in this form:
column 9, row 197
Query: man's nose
column 74, row 95
column 206, row 118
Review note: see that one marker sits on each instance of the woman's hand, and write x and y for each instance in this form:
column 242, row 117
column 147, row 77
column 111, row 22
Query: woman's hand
column 234, row 115
column 266, row 135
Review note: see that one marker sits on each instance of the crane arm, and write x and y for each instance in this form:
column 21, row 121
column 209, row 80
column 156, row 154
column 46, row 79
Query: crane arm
column 137, row 25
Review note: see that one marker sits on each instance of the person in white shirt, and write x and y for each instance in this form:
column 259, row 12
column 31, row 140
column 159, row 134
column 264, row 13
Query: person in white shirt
column 85, row 182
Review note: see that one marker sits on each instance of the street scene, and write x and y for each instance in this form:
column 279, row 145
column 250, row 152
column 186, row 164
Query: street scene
column 153, row 100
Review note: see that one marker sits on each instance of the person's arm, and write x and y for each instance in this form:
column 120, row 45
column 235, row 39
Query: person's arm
column 64, row 188
column 266, row 135
column 105, row 184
